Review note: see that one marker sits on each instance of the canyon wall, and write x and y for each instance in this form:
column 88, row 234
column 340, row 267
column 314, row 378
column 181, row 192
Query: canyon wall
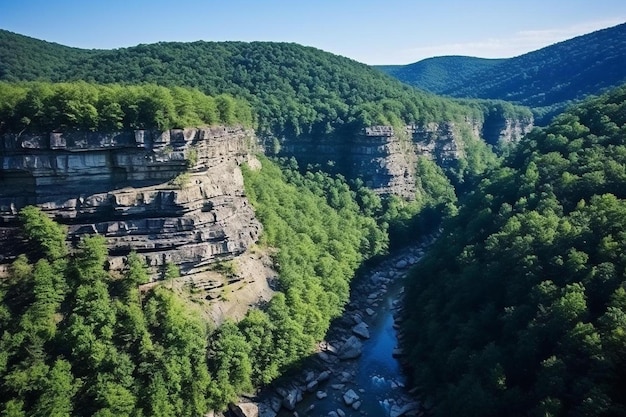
column 175, row 196
column 385, row 159
column 178, row 197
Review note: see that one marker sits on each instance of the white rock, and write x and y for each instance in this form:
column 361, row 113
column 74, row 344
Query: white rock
column 323, row 376
column 351, row 349
column 244, row 409
column 361, row 330
column 349, row 397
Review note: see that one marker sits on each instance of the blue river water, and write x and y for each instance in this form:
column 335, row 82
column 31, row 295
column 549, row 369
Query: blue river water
column 376, row 378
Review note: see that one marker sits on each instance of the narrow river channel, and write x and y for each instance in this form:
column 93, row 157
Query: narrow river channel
column 372, row 383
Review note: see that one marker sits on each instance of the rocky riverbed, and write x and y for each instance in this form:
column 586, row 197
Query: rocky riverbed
column 356, row 370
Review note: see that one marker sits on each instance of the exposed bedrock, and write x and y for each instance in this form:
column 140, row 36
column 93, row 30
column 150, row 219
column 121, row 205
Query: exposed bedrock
column 385, row 159
column 174, row 196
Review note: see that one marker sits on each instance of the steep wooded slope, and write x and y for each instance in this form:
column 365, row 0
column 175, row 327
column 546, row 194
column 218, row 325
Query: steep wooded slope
column 436, row 74
column 295, row 90
column 547, row 79
column 521, row 308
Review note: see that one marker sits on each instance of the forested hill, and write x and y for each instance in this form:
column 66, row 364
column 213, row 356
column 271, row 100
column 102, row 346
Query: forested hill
column 521, row 307
column 436, row 74
column 295, row 90
column 547, row 79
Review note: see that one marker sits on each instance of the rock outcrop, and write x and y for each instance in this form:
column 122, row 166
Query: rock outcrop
column 175, row 196
column 385, row 159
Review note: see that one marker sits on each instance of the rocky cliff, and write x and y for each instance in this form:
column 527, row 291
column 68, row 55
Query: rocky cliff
column 174, row 196
column 177, row 196
column 385, row 159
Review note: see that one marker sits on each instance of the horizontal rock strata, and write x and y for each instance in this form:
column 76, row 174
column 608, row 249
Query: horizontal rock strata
column 174, row 196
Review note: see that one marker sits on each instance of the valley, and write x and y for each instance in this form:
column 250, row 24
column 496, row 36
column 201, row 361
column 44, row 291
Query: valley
column 185, row 227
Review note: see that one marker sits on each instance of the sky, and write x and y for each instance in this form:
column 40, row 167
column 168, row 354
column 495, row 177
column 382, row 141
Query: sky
column 373, row 32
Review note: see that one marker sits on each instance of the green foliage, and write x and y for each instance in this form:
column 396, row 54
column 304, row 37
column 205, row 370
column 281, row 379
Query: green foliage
column 520, row 306
column 181, row 181
column 435, row 200
column 49, row 236
column 192, row 158
column 72, row 343
column 548, row 80
column 314, row 222
column 295, row 91
column 74, row 340
column 44, row 107
column 436, row 74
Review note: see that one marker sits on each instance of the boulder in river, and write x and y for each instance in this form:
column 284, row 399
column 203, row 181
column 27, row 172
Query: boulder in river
column 311, row 386
column 401, row 264
column 345, row 376
column 397, row 352
column 323, row 376
column 361, row 330
column 351, row 349
column 397, row 410
column 291, row 399
column 266, row 410
column 349, row 397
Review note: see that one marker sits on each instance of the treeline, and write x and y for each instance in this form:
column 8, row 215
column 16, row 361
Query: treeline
column 294, row 90
column 45, row 107
column 520, row 309
column 76, row 339
column 547, row 80
column 435, row 74
column 551, row 78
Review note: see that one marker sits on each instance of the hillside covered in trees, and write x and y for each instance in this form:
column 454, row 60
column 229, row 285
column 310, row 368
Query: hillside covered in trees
column 35, row 107
column 77, row 339
column 435, row 74
column 520, row 309
column 294, row 90
column 546, row 80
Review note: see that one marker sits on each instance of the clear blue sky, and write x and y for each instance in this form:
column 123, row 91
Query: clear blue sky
column 373, row 32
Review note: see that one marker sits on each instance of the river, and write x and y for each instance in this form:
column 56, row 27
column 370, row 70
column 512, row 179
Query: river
column 371, row 384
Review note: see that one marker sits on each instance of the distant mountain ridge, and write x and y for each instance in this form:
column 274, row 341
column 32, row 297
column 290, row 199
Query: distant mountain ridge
column 547, row 79
column 435, row 74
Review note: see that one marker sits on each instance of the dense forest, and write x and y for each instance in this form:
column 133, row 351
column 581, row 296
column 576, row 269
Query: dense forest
column 294, row 90
column 547, row 80
column 437, row 73
column 77, row 339
column 520, row 309
column 36, row 107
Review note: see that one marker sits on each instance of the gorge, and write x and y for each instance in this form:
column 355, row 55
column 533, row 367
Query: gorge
column 167, row 253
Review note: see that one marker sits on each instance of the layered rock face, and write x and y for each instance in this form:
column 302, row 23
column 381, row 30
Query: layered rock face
column 174, row 196
column 385, row 160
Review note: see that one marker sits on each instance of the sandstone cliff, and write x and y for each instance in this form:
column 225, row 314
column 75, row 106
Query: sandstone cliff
column 385, row 159
column 174, row 196
column 177, row 196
